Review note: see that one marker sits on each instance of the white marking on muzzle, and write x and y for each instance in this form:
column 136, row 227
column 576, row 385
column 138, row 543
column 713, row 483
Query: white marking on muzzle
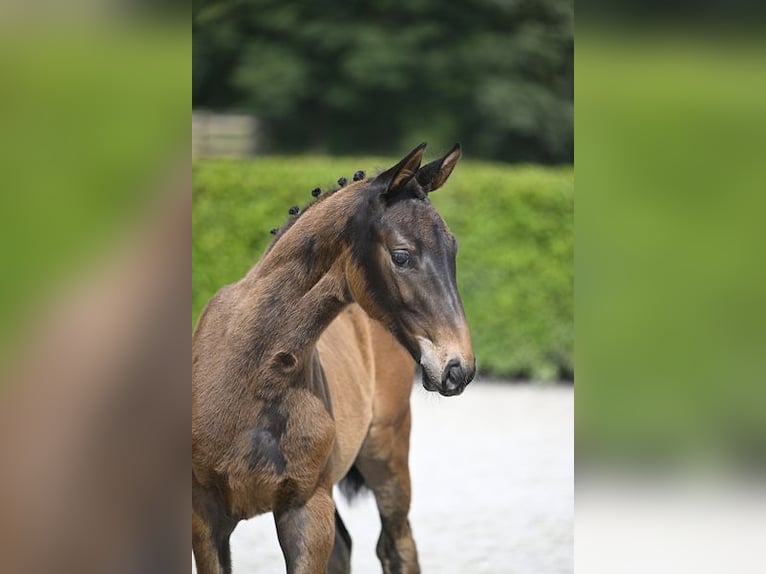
column 433, row 359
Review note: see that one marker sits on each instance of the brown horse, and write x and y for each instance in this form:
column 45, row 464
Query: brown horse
column 302, row 371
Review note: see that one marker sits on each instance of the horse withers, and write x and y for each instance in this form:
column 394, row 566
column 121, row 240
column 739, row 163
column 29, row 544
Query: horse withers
column 302, row 370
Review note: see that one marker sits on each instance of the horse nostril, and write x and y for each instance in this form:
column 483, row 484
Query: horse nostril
column 455, row 373
column 453, row 376
column 451, row 371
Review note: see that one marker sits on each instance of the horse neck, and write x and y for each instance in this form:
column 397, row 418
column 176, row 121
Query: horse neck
column 300, row 285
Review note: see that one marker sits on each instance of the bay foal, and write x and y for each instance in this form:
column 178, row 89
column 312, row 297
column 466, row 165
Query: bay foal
column 302, row 370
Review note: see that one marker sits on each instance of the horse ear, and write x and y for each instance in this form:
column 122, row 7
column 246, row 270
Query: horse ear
column 433, row 175
column 397, row 176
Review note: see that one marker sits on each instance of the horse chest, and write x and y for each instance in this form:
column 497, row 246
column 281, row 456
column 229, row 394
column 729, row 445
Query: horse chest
column 285, row 453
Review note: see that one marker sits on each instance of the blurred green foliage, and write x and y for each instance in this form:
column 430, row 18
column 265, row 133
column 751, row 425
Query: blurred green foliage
column 670, row 266
column 91, row 119
column 514, row 226
column 351, row 78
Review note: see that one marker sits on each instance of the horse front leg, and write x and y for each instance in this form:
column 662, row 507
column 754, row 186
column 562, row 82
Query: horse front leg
column 209, row 557
column 384, row 464
column 211, row 528
column 306, row 532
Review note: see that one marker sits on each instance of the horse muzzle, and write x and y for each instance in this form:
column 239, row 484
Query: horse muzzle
column 454, row 378
column 445, row 369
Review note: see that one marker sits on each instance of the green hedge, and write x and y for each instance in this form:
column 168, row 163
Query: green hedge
column 514, row 226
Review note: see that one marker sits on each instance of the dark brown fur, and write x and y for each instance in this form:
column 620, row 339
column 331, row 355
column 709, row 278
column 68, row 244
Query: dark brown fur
column 293, row 383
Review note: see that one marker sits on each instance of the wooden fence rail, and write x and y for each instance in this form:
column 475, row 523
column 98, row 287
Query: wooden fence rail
column 224, row 135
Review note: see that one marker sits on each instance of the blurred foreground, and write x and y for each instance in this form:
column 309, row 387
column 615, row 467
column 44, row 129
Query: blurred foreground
column 95, row 214
column 671, row 432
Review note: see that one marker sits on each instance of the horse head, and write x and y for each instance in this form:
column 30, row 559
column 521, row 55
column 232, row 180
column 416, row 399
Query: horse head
column 402, row 269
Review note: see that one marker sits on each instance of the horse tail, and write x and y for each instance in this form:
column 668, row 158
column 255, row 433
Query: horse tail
column 353, row 484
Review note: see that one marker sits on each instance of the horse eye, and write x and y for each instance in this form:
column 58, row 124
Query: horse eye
column 400, row 257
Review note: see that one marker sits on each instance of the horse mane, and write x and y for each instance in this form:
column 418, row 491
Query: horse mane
column 297, row 212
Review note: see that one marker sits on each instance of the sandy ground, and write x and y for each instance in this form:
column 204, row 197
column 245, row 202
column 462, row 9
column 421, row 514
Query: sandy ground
column 492, row 474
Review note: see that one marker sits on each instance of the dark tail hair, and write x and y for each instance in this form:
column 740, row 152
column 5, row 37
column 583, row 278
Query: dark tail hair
column 353, row 484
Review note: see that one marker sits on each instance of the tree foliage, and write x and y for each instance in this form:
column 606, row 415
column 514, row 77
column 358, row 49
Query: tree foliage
column 374, row 77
